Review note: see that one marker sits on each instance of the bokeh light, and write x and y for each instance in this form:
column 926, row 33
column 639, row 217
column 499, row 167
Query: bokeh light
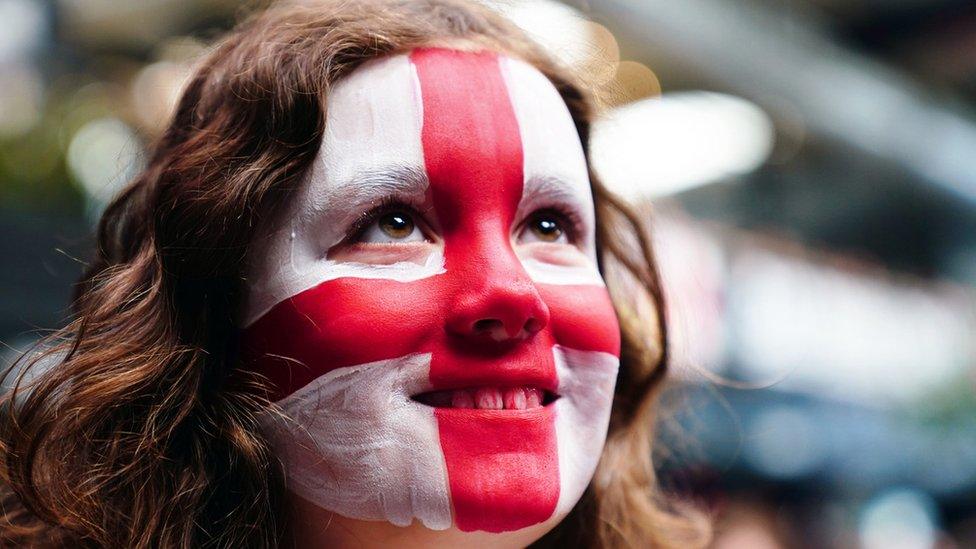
column 103, row 155
column 24, row 30
column 21, row 99
column 898, row 519
column 665, row 145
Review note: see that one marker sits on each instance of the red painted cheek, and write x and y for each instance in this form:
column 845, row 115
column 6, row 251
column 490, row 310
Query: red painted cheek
column 583, row 317
column 341, row 323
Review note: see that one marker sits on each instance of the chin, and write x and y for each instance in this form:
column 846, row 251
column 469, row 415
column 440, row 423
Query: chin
column 328, row 529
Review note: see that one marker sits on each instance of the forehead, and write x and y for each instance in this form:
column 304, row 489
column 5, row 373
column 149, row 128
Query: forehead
column 375, row 117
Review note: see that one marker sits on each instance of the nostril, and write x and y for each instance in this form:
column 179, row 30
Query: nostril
column 487, row 325
column 533, row 325
column 492, row 328
column 497, row 330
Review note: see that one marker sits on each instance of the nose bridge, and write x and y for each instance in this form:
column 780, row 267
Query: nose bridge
column 493, row 294
column 474, row 160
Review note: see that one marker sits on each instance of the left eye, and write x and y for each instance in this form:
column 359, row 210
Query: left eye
column 392, row 226
column 545, row 227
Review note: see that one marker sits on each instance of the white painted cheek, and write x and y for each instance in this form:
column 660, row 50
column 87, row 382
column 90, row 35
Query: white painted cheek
column 550, row 145
column 353, row 442
column 373, row 121
column 586, row 384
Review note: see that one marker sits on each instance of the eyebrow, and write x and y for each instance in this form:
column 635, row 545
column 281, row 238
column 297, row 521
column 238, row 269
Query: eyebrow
column 368, row 185
column 411, row 181
column 548, row 188
column 340, row 204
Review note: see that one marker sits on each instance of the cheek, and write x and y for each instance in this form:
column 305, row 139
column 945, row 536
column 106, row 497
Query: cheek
column 582, row 317
column 341, row 323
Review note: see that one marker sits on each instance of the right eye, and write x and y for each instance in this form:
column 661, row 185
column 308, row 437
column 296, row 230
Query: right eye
column 392, row 227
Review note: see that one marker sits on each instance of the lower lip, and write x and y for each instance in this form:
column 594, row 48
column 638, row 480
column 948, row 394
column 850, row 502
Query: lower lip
column 488, row 398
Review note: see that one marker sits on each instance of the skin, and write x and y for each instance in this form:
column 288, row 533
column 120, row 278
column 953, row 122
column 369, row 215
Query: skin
column 380, row 244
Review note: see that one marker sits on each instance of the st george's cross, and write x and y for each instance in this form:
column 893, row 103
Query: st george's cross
column 360, row 358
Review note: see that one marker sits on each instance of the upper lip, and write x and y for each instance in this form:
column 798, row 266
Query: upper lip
column 464, row 368
column 495, row 375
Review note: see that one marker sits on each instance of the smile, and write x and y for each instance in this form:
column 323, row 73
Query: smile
column 488, row 398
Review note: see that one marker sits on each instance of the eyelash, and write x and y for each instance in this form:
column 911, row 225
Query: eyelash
column 387, row 205
column 572, row 222
column 572, row 219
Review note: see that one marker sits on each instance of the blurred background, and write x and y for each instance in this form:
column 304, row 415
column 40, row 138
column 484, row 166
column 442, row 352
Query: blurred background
column 812, row 169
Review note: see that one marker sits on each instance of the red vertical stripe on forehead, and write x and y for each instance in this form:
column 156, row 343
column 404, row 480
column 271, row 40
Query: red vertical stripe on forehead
column 470, row 137
column 503, row 474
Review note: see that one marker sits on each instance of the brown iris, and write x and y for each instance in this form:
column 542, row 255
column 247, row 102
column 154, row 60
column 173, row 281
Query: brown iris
column 546, row 229
column 396, row 225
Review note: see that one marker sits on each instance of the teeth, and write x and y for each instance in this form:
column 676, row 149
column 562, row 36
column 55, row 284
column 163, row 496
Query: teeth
column 489, row 398
column 515, row 399
column 486, row 398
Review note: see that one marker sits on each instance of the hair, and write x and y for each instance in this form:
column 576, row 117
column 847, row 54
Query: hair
column 144, row 431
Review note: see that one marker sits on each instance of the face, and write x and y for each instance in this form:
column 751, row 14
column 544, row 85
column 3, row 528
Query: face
column 429, row 310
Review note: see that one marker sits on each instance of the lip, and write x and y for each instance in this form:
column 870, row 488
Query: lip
column 470, row 368
column 505, row 380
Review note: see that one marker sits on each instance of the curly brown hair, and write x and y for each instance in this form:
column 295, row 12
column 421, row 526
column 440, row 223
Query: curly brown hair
column 143, row 432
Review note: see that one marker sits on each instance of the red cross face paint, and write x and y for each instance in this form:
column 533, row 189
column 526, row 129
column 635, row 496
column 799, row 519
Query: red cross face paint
column 429, row 310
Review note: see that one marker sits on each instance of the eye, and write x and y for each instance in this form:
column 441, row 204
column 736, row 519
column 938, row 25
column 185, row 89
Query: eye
column 545, row 226
column 392, row 226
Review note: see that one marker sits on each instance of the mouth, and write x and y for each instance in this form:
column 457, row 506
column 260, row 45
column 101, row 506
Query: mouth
column 489, row 398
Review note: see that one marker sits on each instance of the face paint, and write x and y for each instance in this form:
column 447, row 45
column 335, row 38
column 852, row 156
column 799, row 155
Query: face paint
column 476, row 144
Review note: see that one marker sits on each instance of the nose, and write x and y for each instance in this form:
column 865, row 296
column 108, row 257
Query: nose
column 503, row 309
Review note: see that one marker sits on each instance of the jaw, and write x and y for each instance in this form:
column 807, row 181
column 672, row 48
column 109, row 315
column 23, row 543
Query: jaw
column 312, row 526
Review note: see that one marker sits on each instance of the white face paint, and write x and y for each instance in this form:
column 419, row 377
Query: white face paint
column 355, row 443
column 370, row 152
column 353, row 436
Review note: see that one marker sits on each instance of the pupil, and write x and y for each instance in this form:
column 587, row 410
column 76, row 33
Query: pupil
column 397, row 224
column 548, row 227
